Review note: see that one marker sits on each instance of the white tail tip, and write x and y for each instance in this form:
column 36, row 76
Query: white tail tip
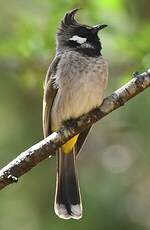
column 61, row 211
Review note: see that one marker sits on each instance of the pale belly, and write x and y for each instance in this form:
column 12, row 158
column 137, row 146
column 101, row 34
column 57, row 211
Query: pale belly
column 78, row 97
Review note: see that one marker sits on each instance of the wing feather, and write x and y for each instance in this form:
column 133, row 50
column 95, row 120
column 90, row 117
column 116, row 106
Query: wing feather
column 81, row 140
column 49, row 94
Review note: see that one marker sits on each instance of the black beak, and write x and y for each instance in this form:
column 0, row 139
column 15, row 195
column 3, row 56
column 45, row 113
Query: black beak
column 98, row 28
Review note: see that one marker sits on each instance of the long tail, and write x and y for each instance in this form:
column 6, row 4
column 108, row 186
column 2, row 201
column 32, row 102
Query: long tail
column 67, row 197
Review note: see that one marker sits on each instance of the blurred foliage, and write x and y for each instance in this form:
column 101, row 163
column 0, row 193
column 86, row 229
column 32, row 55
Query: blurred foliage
column 114, row 164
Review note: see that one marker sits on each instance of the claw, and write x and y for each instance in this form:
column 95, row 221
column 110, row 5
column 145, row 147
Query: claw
column 135, row 74
column 14, row 179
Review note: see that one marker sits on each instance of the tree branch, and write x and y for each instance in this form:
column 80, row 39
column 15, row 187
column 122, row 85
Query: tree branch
column 42, row 150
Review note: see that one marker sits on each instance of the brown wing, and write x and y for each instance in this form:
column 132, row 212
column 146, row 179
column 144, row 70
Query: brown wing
column 81, row 139
column 49, row 95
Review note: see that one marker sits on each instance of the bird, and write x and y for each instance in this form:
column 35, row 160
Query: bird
column 75, row 83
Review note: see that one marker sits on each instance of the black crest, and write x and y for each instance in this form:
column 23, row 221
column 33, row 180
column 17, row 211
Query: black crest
column 69, row 21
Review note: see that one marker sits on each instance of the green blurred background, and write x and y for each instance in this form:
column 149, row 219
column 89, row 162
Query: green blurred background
column 114, row 166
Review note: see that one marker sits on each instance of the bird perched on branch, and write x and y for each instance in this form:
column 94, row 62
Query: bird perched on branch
column 74, row 84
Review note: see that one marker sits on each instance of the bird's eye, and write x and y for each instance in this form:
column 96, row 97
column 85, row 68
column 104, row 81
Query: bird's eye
column 78, row 39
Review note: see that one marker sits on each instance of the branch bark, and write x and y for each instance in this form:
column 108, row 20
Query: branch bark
column 42, row 150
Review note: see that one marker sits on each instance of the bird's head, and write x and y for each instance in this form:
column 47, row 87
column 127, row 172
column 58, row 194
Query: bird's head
column 75, row 36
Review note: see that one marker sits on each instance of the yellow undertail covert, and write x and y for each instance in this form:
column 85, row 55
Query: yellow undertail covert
column 68, row 146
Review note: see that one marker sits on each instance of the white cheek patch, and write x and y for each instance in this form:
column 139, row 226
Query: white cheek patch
column 78, row 39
